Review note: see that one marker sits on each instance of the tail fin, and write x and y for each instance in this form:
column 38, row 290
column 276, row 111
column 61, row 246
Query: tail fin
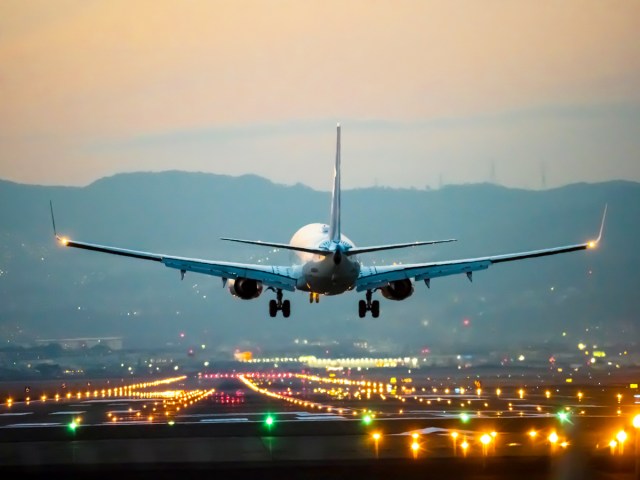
column 334, row 223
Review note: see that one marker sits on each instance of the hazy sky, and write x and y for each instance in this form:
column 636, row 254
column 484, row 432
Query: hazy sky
column 423, row 89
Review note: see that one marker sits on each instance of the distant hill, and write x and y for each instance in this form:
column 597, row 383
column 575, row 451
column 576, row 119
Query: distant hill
column 48, row 291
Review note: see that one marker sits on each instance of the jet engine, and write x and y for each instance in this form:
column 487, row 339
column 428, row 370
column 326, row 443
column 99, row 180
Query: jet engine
column 245, row 288
column 398, row 290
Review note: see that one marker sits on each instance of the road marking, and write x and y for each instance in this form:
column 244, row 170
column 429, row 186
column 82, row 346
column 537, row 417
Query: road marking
column 32, row 425
column 69, row 412
column 223, row 420
column 15, row 414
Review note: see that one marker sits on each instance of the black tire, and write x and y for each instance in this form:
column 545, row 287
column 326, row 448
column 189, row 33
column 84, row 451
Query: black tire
column 286, row 308
column 273, row 308
column 375, row 309
column 362, row 308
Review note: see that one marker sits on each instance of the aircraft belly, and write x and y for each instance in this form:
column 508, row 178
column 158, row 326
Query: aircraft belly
column 327, row 278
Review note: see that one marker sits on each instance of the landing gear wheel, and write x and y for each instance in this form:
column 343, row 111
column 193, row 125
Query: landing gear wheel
column 369, row 306
column 362, row 308
column 278, row 305
column 375, row 309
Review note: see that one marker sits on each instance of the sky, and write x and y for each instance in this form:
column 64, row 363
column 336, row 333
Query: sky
column 529, row 94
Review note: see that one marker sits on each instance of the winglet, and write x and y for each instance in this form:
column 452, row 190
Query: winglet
column 63, row 240
column 53, row 220
column 594, row 243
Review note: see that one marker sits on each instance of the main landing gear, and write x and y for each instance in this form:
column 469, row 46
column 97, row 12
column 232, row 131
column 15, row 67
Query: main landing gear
column 369, row 306
column 314, row 297
column 279, row 305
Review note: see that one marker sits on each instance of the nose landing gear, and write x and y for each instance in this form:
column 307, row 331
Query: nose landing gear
column 369, row 306
column 279, row 305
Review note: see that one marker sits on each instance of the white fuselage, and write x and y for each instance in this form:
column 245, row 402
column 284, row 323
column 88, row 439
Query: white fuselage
column 320, row 273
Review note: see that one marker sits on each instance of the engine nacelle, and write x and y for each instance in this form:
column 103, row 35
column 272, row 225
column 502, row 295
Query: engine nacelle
column 245, row 288
column 398, row 290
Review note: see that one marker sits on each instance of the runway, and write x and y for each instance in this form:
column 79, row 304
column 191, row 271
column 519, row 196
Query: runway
column 318, row 427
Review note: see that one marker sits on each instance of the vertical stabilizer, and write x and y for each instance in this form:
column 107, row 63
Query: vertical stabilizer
column 334, row 223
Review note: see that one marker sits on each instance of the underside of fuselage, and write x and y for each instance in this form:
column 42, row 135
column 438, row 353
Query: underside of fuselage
column 323, row 274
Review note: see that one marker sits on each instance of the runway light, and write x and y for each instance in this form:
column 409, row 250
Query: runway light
column 553, row 438
column 268, row 421
column 563, row 416
column 376, row 436
column 465, row 446
column 72, row 426
column 367, row 419
column 621, row 436
column 485, row 439
column 415, row 435
column 636, row 421
column 415, row 446
column 533, row 433
column 464, row 417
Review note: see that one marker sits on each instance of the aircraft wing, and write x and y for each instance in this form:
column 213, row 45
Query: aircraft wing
column 377, row 277
column 272, row 276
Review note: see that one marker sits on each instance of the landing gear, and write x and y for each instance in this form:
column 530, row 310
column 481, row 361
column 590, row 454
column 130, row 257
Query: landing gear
column 279, row 305
column 314, row 297
column 369, row 306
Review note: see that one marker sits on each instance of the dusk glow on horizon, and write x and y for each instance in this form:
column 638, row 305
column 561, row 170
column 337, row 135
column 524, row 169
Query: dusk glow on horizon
column 527, row 94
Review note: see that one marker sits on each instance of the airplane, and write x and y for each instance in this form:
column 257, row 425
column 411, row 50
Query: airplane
column 326, row 263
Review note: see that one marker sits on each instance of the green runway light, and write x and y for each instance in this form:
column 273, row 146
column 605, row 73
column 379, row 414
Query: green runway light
column 367, row 419
column 464, row 417
column 563, row 416
column 73, row 426
column 171, row 423
column 268, row 421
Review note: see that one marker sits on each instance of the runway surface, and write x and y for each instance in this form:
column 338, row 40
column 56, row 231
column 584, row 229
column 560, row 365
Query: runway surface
column 304, row 425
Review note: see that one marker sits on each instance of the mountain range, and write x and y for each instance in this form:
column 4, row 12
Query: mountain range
column 47, row 291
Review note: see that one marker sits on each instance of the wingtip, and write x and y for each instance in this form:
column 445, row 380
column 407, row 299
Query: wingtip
column 594, row 243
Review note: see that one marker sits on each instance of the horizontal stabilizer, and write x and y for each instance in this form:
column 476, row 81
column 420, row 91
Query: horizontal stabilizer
column 284, row 246
column 359, row 250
